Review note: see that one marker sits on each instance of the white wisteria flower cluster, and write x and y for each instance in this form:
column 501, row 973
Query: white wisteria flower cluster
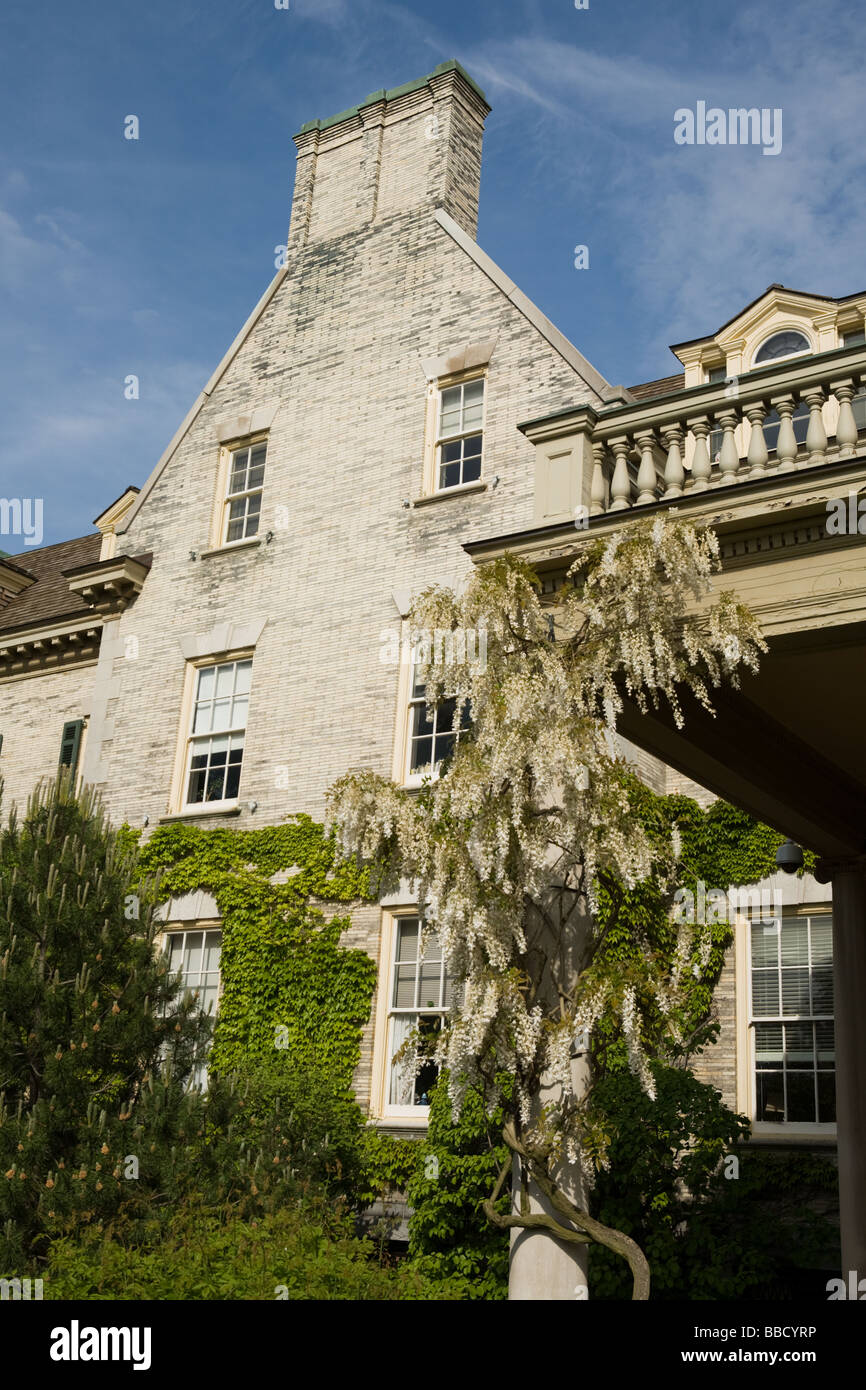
column 507, row 845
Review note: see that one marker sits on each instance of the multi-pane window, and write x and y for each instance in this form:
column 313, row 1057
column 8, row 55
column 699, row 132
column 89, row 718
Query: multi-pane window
column 195, row 955
column 219, row 721
column 432, row 734
column 420, row 996
column 792, row 1019
column 786, row 344
column 459, row 433
column 244, row 493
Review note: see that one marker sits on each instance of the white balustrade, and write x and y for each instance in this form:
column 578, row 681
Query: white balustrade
column 660, row 451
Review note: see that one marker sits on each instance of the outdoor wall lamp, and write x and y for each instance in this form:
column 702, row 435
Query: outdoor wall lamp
column 789, row 857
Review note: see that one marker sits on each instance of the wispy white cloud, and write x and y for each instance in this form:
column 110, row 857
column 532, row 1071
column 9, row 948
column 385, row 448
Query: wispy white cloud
column 696, row 231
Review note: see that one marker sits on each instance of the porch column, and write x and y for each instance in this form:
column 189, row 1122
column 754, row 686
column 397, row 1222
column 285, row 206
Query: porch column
column 542, row 1268
column 849, row 971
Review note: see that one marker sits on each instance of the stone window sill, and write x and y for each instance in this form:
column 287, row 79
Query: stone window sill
column 461, row 491
column 793, row 1134
column 233, row 545
column 193, row 812
column 396, row 1124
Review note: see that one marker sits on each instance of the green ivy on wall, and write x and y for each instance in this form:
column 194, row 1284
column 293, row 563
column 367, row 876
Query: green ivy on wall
column 288, row 984
column 290, row 987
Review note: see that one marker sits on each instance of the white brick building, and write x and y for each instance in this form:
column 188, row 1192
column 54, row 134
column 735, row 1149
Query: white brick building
column 217, row 652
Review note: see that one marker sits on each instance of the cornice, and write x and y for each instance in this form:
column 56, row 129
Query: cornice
column 109, row 586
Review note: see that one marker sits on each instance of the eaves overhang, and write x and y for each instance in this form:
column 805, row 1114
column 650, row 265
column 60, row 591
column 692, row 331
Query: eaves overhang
column 109, row 586
column 54, row 646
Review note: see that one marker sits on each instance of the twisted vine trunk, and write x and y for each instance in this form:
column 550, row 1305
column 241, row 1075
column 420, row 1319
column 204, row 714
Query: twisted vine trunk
column 567, row 1227
column 551, row 1228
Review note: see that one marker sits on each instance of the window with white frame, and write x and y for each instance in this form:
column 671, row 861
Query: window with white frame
column 195, row 956
column 243, row 505
column 788, row 343
column 432, row 736
column 459, row 434
column 854, row 338
column 792, row 1020
column 420, row 995
column 218, row 728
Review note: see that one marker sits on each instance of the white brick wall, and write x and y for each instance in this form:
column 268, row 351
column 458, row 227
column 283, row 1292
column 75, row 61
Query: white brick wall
column 374, row 285
column 32, row 714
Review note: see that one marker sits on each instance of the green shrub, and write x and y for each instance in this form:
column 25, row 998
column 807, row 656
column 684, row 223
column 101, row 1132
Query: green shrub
column 715, row 1218
column 307, row 1251
column 449, row 1234
column 303, row 1116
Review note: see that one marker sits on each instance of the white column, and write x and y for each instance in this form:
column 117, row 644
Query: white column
column 674, row 471
column 599, row 489
column 542, row 1267
column 729, row 456
column 701, row 466
column 849, row 975
column 846, row 429
column 816, row 435
column 758, row 455
column 647, row 478
column 786, row 444
column 621, row 485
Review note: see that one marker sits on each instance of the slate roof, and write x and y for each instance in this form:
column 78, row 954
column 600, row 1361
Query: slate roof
column 49, row 599
column 664, row 386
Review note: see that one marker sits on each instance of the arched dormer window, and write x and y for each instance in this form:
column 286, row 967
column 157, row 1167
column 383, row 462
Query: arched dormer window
column 786, row 344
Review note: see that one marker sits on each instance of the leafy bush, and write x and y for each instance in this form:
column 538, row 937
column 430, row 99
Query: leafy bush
column 711, row 1229
column 306, row 1251
column 449, row 1234
column 302, row 1117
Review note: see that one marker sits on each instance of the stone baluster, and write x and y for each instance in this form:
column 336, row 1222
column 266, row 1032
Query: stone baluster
column 598, row 496
column 621, row 485
column 674, row 472
column 647, row 478
column 701, row 466
column 816, row 435
column 729, row 457
column 846, row 429
column 786, row 444
column 758, row 456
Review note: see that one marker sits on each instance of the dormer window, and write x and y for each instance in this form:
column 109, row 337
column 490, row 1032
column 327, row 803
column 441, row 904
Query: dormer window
column 779, row 345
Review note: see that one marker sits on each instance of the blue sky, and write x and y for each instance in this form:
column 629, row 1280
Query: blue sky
column 145, row 257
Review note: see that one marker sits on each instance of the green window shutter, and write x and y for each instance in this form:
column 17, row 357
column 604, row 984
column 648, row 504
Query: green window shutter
column 70, row 743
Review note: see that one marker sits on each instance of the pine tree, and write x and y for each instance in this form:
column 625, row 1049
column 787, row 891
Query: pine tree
column 90, row 1017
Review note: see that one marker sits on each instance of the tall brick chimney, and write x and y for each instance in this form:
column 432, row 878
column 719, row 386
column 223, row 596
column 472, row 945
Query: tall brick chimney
column 415, row 146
